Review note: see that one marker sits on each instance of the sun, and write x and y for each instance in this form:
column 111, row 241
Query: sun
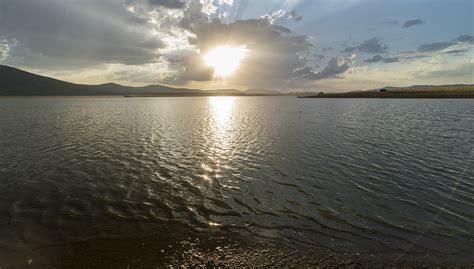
column 225, row 59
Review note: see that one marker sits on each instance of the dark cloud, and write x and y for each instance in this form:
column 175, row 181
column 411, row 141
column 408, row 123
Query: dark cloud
column 409, row 55
column 195, row 69
column 193, row 17
column 437, row 46
column 466, row 39
column 335, row 67
column 379, row 58
column 412, row 23
column 273, row 57
column 171, row 4
column 86, row 33
column 258, row 34
column 295, row 16
column 417, row 56
column 371, row 46
column 375, row 59
column 391, row 60
column 319, row 56
column 349, row 49
column 457, row 52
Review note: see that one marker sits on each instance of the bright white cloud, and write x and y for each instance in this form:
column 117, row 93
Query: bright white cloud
column 4, row 49
column 276, row 15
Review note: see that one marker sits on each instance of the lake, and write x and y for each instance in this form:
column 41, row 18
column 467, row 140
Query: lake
column 351, row 175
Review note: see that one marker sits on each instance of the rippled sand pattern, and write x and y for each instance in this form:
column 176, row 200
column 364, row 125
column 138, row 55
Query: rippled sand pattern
column 373, row 175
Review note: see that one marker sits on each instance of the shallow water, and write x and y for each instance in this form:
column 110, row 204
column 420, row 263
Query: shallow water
column 348, row 174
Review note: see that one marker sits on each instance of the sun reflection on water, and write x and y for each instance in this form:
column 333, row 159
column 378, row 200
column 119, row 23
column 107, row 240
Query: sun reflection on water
column 220, row 134
column 221, row 109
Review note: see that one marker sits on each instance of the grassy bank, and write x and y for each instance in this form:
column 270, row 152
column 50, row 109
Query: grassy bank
column 409, row 92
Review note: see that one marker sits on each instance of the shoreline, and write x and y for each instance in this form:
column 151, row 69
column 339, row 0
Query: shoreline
column 395, row 95
column 219, row 251
column 178, row 245
column 448, row 92
column 137, row 96
column 327, row 96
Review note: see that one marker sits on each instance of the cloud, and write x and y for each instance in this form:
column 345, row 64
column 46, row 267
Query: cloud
column 172, row 4
column 375, row 59
column 276, row 15
column 335, row 67
column 451, row 71
column 412, row 23
column 294, row 16
column 319, row 56
column 273, row 52
column 281, row 14
column 456, row 51
column 379, row 58
column 195, row 69
column 437, row 46
column 145, row 41
column 391, row 60
column 466, row 39
column 4, row 49
column 226, row 2
column 371, row 46
column 76, row 33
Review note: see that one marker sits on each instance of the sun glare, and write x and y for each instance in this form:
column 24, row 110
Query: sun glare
column 224, row 60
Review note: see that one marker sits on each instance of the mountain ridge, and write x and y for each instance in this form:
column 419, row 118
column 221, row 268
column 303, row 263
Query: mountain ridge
column 17, row 82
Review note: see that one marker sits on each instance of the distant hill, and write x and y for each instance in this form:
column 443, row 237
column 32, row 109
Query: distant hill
column 16, row 82
column 247, row 92
column 438, row 86
column 262, row 91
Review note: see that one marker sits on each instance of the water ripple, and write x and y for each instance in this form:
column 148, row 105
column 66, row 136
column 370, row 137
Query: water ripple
column 362, row 175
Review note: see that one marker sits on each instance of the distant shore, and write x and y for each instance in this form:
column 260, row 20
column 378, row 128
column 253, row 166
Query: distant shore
column 465, row 92
column 131, row 96
column 141, row 95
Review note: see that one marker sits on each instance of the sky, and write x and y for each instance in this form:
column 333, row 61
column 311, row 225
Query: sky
column 286, row 45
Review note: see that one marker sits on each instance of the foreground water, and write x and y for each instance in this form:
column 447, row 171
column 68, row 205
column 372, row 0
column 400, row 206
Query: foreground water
column 378, row 176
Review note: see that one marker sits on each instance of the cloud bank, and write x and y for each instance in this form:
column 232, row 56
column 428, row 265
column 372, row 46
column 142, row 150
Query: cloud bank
column 163, row 41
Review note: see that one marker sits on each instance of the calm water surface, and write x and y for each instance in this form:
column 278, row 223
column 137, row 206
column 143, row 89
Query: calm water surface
column 348, row 175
